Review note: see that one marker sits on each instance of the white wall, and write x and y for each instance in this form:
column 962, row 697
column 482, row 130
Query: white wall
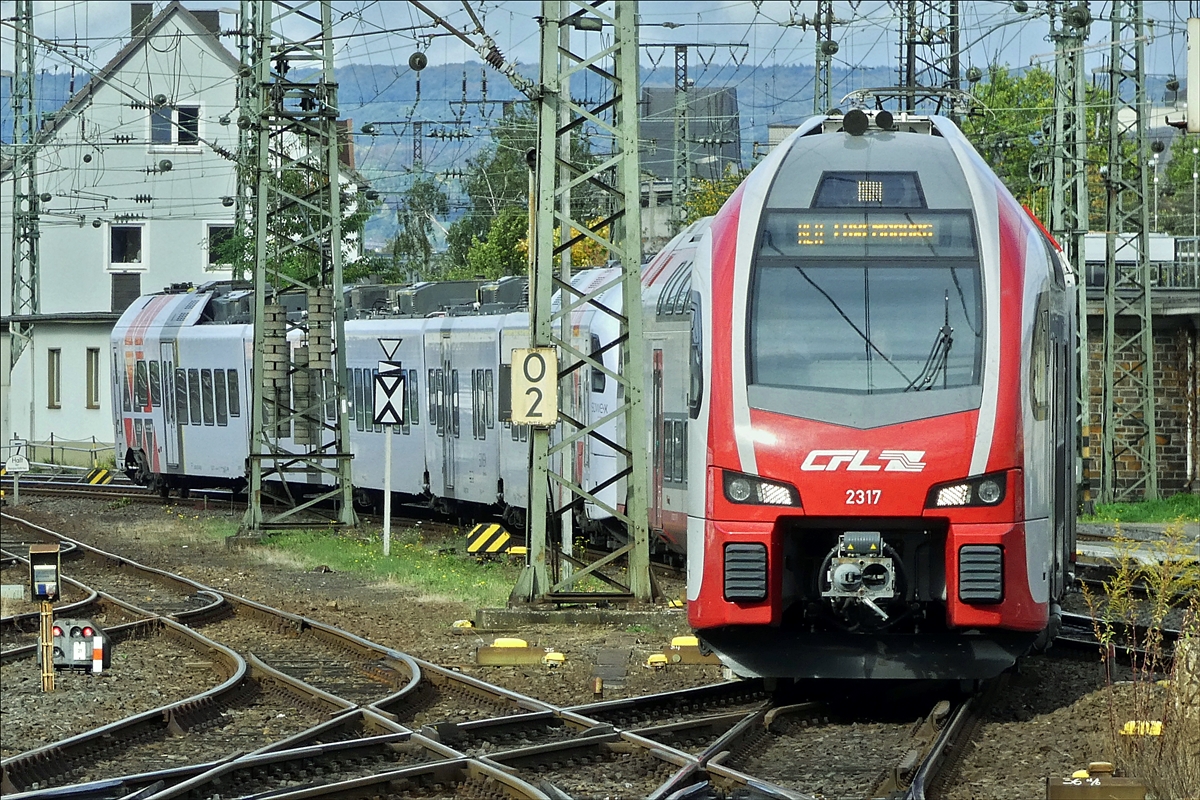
column 95, row 167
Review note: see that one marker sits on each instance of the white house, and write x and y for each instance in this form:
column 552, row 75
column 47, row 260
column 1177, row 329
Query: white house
column 138, row 167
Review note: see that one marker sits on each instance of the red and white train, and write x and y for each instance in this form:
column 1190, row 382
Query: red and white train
column 882, row 437
column 859, row 377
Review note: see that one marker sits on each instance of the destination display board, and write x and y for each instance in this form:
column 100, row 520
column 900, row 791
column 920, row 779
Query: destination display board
column 858, row 234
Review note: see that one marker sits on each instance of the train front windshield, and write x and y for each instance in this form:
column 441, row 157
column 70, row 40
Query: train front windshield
column 866, row 302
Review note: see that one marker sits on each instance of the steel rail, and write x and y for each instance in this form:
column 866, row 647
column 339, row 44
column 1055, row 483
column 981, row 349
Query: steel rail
column 21, row 772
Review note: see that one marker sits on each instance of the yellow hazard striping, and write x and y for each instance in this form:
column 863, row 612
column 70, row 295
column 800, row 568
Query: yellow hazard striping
column 488, row 538
column 98, row 476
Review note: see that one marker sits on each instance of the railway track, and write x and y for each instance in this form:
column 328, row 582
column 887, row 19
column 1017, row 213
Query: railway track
column 302, row 706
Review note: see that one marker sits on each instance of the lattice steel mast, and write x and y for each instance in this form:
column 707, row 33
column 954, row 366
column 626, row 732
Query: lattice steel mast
column 247, row 158
column 1069, row 223
column 826, row 48
column 615, row 174
column 1129, row 438
column 682, row 163
column 297, row 393
column 26, row 204
column 929, row 55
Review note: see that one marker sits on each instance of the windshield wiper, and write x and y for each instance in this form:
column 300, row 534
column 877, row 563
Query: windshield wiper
column 939, row 356
column 850, row 322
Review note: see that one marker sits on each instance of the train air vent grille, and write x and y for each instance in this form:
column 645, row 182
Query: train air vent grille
column 980, row 573
column 745, row 571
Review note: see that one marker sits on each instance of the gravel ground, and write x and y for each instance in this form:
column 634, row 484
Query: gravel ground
column 1052, row 719
column 162, row 672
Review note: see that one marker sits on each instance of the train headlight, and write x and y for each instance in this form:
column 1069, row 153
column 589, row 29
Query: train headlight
column 989, row 491
column 749, row 490
column 986, row 490
column 738, row 490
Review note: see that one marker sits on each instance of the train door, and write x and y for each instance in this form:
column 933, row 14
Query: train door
column 170, row 434
column 450, row 411
column 656, row 471
column 1062, row 466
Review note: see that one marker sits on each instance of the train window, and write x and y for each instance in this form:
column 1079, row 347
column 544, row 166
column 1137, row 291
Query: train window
column 431, row 389
column 181, row 397
column 437, row 403
column 206, row 394
column 141, row 385
column 370, row 392
column 360, row 407
column 454, row 398
column 475, row 404
column 598, row 376
column 194, row 394
column 864, row 325
column 667, row 449
column 869, row 190
column 221, row 396
column 414, row 399
column 681, row 443
column 1039, row 359
column 235, row 392
column 155, row 385
column 125, row 402
column 168, row 391
column 489, row 399
column 504, row 406
column 696, row 359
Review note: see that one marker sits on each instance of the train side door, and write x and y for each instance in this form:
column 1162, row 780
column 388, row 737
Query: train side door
column 1062, row 449
column 656, row 472
column 170, row 435
column 449, row 408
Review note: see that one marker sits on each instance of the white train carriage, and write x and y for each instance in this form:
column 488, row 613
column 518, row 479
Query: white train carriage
column 180, row 395
column 365, row 348
column 666, row 321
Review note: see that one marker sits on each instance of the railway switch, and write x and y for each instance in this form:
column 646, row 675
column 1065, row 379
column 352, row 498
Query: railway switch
column 80, row 644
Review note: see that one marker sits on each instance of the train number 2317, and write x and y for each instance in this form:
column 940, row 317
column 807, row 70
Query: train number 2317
column 862, row 497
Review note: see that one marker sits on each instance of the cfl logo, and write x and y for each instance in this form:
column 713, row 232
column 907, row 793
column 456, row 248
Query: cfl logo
column 855, row 461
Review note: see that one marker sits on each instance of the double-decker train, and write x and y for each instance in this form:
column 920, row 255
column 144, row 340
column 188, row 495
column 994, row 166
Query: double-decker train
column 182, row 361
column 882, row 367
column 859, row 385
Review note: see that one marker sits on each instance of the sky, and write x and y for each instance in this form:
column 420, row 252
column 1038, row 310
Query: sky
column 765, row 32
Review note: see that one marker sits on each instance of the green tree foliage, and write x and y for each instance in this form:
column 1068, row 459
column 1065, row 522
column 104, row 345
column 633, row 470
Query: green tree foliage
column 1013, row 130
column 505, row 250
column 706, row 197
column 497, row 187
column 420, row 205
column 1177, row 198
column 292, row 224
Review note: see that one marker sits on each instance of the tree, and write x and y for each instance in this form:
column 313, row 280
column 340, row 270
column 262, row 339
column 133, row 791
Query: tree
column 1013, row 129
column 420, row 205
column 1177, row 198
column 706, row 197
column 237, row 249
column 506, row 248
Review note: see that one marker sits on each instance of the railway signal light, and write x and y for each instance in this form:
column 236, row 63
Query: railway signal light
column 79, row 644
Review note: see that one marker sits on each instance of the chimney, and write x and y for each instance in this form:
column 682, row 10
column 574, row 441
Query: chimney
column 345, row 138
column 211, row 20
column 140, row 15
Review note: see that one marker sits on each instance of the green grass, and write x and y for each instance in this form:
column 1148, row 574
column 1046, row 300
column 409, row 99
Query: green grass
column 1178, row 507
column 414, row 564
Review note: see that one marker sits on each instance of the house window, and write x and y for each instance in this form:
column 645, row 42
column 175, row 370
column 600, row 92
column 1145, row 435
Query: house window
column 179, row 125
column 160, row 125
column 219, row 238
column 93, row 377
column 126, row 287
column 189, row 125
column 54, row 378
column 126, row 244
